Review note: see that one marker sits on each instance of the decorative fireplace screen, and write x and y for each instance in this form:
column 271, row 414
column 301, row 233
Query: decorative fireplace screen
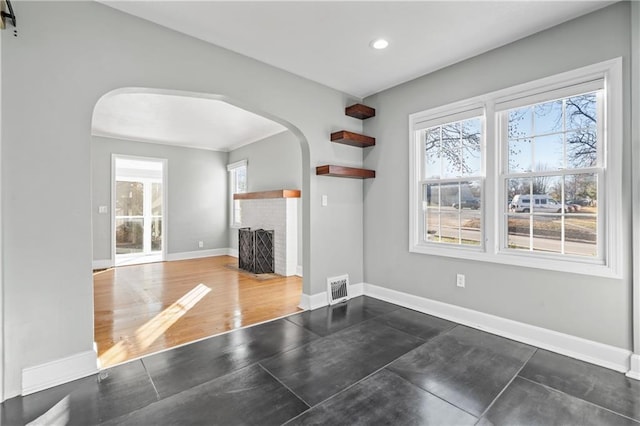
column 255, row 250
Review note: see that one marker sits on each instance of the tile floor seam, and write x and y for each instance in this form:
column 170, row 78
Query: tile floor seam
column 577, row 397
column 361, row 380
column 507, row 385
column 150, row 379
column 434, row 395
column 425, row 340
column 286, row 387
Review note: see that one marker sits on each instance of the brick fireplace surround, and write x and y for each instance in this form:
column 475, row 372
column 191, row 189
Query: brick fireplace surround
column 276, row 210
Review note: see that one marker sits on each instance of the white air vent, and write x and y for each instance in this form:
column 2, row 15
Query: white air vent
column 338, row 289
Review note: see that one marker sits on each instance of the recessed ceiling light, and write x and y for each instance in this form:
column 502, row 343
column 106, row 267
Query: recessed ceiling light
column 379, row 44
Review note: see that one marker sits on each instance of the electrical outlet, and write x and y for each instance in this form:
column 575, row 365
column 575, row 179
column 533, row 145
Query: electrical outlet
column 460, row 280
column 200, row 244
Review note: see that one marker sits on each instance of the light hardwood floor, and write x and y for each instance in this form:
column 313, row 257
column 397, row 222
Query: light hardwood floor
column 143, row 309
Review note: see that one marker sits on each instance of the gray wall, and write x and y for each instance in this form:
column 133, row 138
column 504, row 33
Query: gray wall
column 593, row 308
column 273, row 163
column 197, row 194
column 68, row 55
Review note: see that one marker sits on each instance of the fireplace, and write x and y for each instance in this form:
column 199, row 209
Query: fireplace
column 255, row 250
column 276, row 210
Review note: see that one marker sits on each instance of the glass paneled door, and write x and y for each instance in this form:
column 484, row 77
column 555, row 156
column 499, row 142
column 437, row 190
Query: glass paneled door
column 139, row 206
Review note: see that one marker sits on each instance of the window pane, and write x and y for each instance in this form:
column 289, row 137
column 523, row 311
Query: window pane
column 129, row 198
column 432, row 153
column 520, row 123
column 520, row 155
column 469, row 192
column 471, row 139
column 518, row 191
column 431, row 201
column 129, row 236
column 241, row 180
column 432, row 225
column 547, row 118
column 156, row 234
column 156, row 199
column 580, row 112
column 548, row 152
column 518, row 232
column 449, row 195
column 237, row 212
column 547, row 233
column 431, row 195
column 581, row 235
column 581, row 192
column 547, row 194
column 450, row 225
column 471, row 226
column 582, row 148
column 450, row 150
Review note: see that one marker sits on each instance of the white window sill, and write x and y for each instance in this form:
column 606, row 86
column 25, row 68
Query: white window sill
column 524, row 259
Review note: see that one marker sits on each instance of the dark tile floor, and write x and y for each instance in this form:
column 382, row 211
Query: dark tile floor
column 365, row 362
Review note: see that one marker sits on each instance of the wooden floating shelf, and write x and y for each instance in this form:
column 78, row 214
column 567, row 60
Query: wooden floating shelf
column 278, row 193
column 353, row 139
column 360, row 111
column 346, row 172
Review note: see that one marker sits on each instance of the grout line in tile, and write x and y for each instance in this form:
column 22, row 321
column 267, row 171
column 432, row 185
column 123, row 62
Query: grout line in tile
column 150, row 379
column 286, row 387
column 577, row 397
column 507, row 385
column 433, row 394
column 365, row 377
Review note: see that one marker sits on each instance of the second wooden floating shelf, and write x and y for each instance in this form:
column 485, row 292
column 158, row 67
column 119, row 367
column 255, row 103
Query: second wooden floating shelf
column 347, row 172
column 276, row 193
column 353, row 139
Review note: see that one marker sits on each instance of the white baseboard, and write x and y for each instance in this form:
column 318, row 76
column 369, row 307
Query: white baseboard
column 60, row 371
column 299, row 270
column 356, row 290
column 201, row 253
column 108, row 263
column 102, row 264
column 634, row 370
column 575, row 347
column 314, row 301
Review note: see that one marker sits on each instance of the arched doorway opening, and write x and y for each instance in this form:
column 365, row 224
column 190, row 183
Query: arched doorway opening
column 147, row 308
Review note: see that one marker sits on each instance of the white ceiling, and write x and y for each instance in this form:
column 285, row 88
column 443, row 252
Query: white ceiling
column 328, row 42
column 186, row 121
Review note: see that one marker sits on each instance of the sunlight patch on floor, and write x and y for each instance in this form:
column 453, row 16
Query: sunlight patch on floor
column 147, row 333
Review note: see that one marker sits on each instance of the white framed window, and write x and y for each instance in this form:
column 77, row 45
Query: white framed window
column 546, row 191
column 450, row 164
column 237, row 185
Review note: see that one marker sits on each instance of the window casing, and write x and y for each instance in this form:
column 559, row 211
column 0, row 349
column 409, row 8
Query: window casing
column 237, row 185
column 574, row 195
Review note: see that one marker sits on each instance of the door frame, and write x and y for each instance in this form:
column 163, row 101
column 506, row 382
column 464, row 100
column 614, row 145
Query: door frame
column 165, row 200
